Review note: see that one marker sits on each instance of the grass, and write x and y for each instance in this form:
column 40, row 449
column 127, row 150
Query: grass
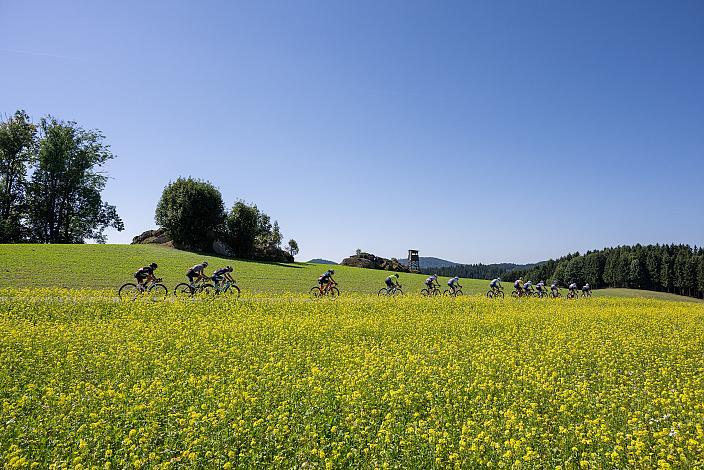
column 110, row 266
column 362, row 382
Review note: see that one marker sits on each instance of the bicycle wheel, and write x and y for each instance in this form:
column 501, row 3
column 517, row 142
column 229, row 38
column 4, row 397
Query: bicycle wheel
column 207, row 289
column 158, row 292
column 424, row 292
column 515, row 294
column 232, row 291
column 382, row 292
column 397, row 292
column 128, row 291
column 490, row 294
column 334, row 292
column 446, row 292
column 183, row 291
column 458, row 292
column 314, row 292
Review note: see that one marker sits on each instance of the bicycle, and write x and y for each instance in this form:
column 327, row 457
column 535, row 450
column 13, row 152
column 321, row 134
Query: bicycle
column 495, row 293
column 391, row 292
column 555, row 294
column 131, row 291
column 453, row 292
column 541, row 293
column 586, row 293
column 184, row 289
column 323, row 290
column 572, row 294
column 433, row 291
column 228, row 288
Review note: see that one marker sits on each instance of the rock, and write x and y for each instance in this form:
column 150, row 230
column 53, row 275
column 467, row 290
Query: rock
column 221, row 248
column 157, row 236
column 369, row 261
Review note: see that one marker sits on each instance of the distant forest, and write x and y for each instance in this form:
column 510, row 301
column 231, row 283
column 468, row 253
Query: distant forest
column 667, row 268
column 475, row 271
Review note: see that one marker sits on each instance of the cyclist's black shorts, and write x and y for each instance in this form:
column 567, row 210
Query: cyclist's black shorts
column 140, row 276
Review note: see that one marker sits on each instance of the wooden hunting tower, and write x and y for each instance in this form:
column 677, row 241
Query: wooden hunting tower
column 413, row 261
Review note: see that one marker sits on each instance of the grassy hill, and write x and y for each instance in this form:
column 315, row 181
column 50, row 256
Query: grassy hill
column 109, row 266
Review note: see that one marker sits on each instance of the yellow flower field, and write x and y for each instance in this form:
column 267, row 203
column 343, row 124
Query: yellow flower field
column 359, row 382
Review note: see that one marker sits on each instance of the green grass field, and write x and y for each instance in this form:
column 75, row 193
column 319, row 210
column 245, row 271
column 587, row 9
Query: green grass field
column 109, row 266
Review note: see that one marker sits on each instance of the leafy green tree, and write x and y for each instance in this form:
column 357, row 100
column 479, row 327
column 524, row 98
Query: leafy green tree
column 17, row 144
column 64, row 196
column 242, row 224
column 192, row 212
column 292, row 247
column 276, row 237
column 635, row 273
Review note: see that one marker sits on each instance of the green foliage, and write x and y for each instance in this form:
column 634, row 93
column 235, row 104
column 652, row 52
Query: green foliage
column 64, row 200
column 17, row 143
column 191, row 211
column 292, row 247
column 654, row 267
column 242, row 229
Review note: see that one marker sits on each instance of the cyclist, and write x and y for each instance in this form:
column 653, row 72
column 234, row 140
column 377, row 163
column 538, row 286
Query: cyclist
column 541, row 288
column 392, row 281
column 145, row 274
column 587, row 289
column 573, row 288
column 326, row 280
column 554, row 288
column 432, row 282
column 222, row 273
column 454, row 283
column 496, row 284
column 518, row 285
column 197, row 272
column 526, row 288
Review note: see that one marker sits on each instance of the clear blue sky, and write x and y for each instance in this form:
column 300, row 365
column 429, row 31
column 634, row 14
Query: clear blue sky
column 472, row 131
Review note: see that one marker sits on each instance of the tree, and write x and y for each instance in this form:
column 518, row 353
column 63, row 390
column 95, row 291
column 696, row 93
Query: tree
column 292, row 247
column 242, row 228
column 191, row 211
column 275, row 238
column 64, row 197
column 17, row 144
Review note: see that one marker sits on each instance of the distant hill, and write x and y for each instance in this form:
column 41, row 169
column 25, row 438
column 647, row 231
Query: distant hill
column 321, row 261
column 429, row 262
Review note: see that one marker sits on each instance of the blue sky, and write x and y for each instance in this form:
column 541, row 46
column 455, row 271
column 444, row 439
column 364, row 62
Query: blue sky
column 472, row 131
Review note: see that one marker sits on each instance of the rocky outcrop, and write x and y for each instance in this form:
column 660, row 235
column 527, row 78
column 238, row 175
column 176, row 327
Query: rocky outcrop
column 369, row 261
column 157, row 237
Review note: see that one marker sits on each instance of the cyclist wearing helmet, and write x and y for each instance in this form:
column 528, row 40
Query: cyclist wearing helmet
column 496, row 284
column 573, row 287
column 454, row 283
column 432, row 282
column 587, row 289
column 326, row 280
column 518, row 285
column 145, row 274
column 554, row 287
column 392, row 281
column 197, row 272
column 540, row 286
column 222, row 273
column 526, row 287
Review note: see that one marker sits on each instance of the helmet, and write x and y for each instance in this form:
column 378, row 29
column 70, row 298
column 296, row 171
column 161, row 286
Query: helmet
column 229, row 268
column 332, row 271
column 205, row 263
column 396, row 274
column 498, row 279
column 153, row 266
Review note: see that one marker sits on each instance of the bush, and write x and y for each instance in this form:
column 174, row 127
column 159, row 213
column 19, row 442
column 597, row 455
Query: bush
column 191, row 211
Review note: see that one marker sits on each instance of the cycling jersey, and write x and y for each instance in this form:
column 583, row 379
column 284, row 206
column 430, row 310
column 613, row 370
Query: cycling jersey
column 144, row 272
column 430, row 280
column 390, row 281
column 197, row 269
column 453, row 281
column 221, row 272
column 494, row 283
column 573, row 286
column 516, row 284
